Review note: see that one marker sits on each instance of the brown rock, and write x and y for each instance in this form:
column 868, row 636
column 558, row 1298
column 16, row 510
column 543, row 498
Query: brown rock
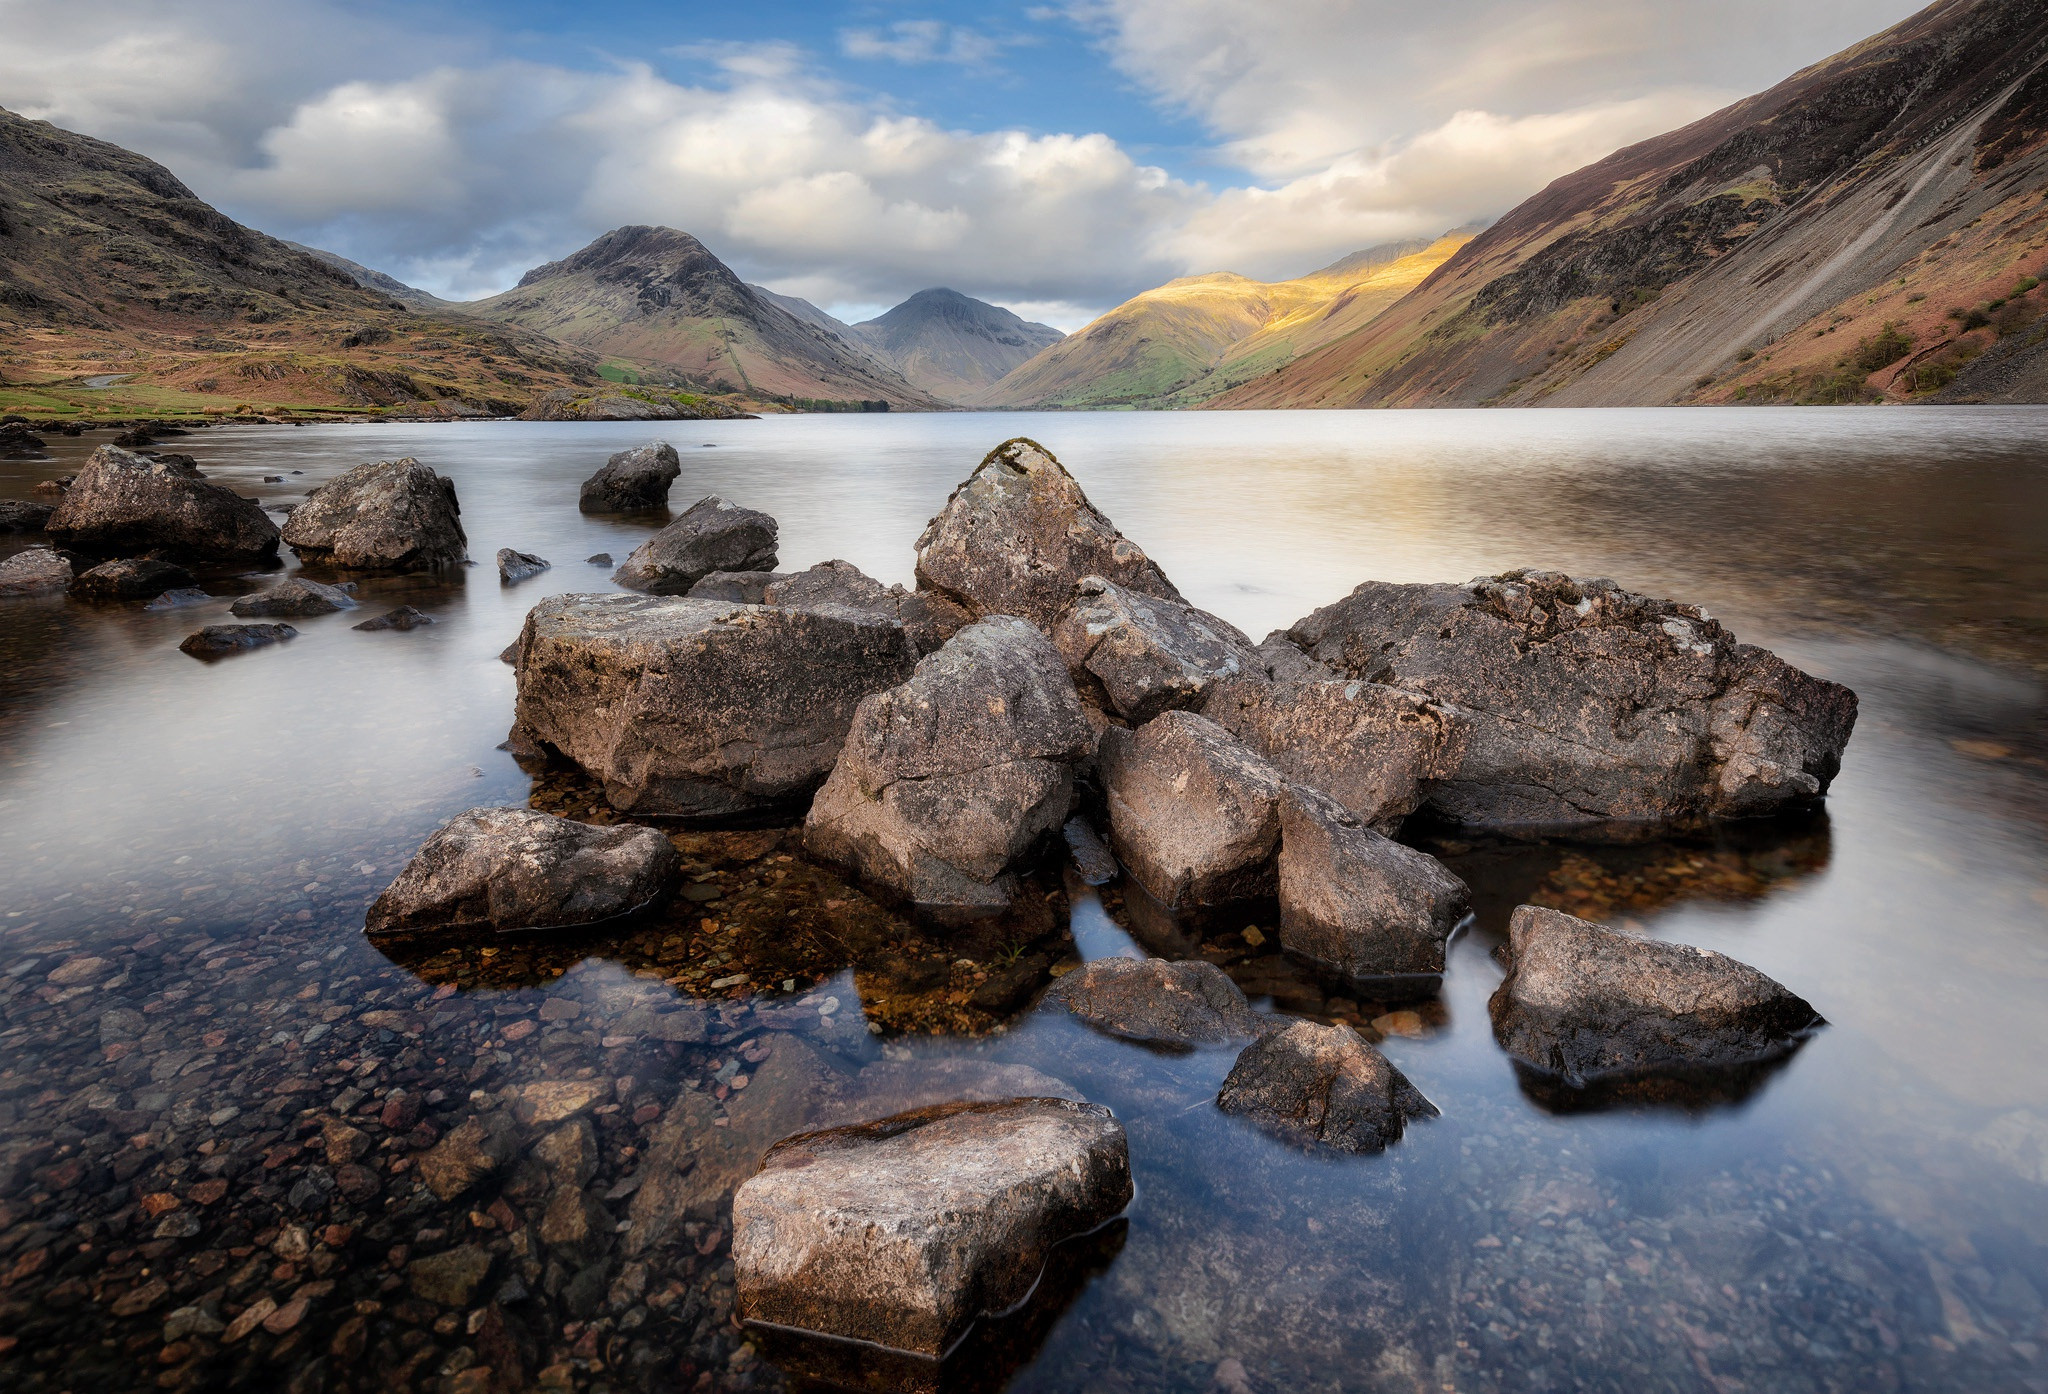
column 1194, row 816
column 1322, row 1085
column 122, row 502
column 36, row 571
column 1174, row 1004
column 1140, row 655
column 450, row 1278
column 394, row 515
column 712, row 535
column 1358, row 902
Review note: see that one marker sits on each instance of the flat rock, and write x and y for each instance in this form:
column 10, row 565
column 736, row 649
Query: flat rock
column 1138, row 655
column 744, row 587
column 404, row 617
column 632, row 481
column 928, row 619
column 1586, row 704
column 135, row 505
column 906, row 1231
column 19, row 515
column 516, row 868
column 294, row 598
column 949, row 782
column 517, row 566
column 1322, row 1086
column 131, row 578
column 220, row 640
column 1194, row 816
column 712, row 535
column 1185, row 1003
column 1582, row 1002
column 472, row 1150
column 393, row 515
column 1357, row 902
column 36, row 571
column 1017, row 536
column 699, row 707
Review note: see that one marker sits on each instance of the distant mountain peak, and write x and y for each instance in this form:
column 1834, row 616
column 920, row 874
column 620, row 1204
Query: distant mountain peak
column 953, row 345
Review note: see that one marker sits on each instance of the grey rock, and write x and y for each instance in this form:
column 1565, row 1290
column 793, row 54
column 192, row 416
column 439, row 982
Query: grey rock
column 928, row 619
column 131, row 578
column 599, row 559
column 906, row 1231
column 1093, row 861
column 1187, row 1003
column 950, row 781
column 1581, row 1002
column 632, row 480
column 123, row 502
column 17, row 442
column 178, row 599
column 394, row 515
column 220, row 640
column 1357, row 902
column 1193, row 816
column 699, row 707
column 36, row 571
column 712, row 535
column 517, row 566
column 18, row 515
column 1140, row 655
column 294, row 598
column 404, row 617
column 743, row 587
column 1322, row 1086
column 1018, row 534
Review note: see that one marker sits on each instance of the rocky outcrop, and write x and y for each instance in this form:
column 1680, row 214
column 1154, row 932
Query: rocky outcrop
column 36, row 571
column 1194, row 816
column 514, row 567
column 1582, row 1002
column 1322, row 1086
column 905, row 1232
column 394, row 515
column 1188, row 1003
column 712, row 535
column 928, row 619
column 699, row 708
column 130, row 578
column 949, row 782
column 221, row 640
column 1356, row 902
column 1018, row 535
column 1139, row 655
column 298, row 597
column 404, row 617
column 18, row 515
column 632, row 481
column 131, row 504
column 1585, row 704
column 515, row 868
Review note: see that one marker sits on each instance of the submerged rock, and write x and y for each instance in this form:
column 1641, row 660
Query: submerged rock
column 1581, row 1002
column 950, row 781
column 394, row 515
column 1358, row 902
column 220, row 640
column 1017, row 536
column 404, row 617
column 1586, row 704
column 131, row 578
column 1140, row 655
column 178, row 599
column 1322, row 1085
column 515, row 868
column 905, row 1232
column 20, row 516
column 712, row 535
column 36, row 571
column 517, row 566
column 699, row 707
column 294, row 598
column 632, row 480
column 122, row 502
column 1193, row 815
column 1187, row 1003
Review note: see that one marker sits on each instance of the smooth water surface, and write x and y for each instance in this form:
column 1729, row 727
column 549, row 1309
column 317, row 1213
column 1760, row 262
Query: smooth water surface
column 216, row 1095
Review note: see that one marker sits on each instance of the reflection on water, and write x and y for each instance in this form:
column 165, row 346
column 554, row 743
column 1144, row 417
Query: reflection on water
column 240, row 1146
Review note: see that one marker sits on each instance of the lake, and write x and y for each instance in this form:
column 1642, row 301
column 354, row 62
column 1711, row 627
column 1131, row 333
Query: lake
column 215, row 1094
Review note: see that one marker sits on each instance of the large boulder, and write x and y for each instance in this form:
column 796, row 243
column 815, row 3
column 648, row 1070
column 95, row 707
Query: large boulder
column 1581, row 1002
column 632, row 481
column 1188, row 1003
column 906, row 1231
column 1193, row 815
column 699, row 708
column 951, row 780
column 128, row 503
column 928, row 619
column 394, row 515
column 294, row 598
column 1585, row 704
column 712, row 535
column 1356, row 902
column 1138, row 655
column 1322, row 1086
column 131, row 578
column 1018, row 534
column 515, row 868
column 34, row 571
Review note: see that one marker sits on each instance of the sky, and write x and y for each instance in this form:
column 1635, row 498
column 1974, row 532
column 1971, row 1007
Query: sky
column 1056, row 156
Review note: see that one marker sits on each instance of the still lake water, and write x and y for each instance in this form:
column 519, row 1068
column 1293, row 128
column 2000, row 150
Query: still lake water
column 188, row 1006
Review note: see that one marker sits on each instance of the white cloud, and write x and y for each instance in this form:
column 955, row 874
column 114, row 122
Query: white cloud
column 920, row 41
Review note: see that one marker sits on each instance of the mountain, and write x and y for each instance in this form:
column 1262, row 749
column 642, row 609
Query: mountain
column 953, row 345
column 656, row 296
column 412, row 297
column 1190, row 339
column 111, row 267
column 1869, row 229
column 805, row 311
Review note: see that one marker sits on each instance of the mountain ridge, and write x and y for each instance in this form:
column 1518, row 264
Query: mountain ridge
column 953, row 345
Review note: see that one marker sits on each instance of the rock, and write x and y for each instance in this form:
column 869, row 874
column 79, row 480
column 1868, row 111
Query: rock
column 130, row 579
column 134, row 438
column 698, row 707
column 1193, row 815
column 1188, row 1003
column 394, row 515
column 929, row 620
column 404, row 617
column 517, row 566
column 1315, row 1084
column 744, row 587
column 598, row 559
column 1091, row 855
column 1357, row 902
column 121, row 502
column 905, row 1232
column 575, row 1223
column 294, row 598
column 450, row 1278
column 17, row 442
column 543, row 1103
column 1139, row 655
column 1018, row 535
column 20, row 516
column 37, row 571
column 178, row 599
column 1586, row 704
column 632, row 480
column 516, row 868
column 1582, row 1002
column 220, row 640
column 569, row 1154
column 951, row 781
column 712, row 535
column 471, row 1151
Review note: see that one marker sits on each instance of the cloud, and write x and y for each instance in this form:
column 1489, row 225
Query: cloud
column 920, row 41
